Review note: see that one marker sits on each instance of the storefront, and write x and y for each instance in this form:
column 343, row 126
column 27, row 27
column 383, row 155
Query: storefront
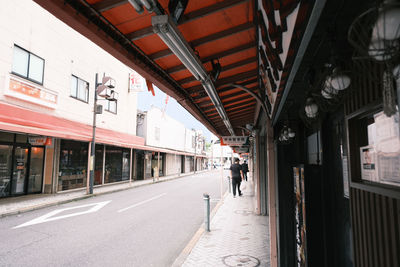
column 21, row 164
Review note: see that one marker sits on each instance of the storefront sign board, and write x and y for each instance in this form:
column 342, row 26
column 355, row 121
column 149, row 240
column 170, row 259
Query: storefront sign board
column 32, row 93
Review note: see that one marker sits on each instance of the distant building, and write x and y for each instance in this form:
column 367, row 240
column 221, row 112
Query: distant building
column 174, row 148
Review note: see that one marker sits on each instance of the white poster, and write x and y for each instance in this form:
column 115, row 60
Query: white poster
column 136, row 82
column 368, row 163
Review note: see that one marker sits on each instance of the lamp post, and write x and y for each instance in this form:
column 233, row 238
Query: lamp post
column 103, row 89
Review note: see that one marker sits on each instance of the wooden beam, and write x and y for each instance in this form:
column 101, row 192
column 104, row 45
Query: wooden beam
column 206, row 39
column 229, row 103
column 196, row 14
column 230, row 79
column 108, row 4
column 225, row 68
column 208, row 102
column 222, row 54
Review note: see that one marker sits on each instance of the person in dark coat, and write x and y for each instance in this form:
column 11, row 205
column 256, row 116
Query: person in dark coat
column 245, row 169
column 237, row 176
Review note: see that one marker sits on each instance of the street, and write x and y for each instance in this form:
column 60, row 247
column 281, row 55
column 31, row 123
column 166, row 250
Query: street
column 144, row 226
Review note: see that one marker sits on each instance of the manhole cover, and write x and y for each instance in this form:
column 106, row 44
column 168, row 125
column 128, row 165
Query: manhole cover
column 240, row 260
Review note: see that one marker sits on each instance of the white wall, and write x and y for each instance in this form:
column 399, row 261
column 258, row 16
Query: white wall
column 65, row 52
column 173, row 164
column 172, row 132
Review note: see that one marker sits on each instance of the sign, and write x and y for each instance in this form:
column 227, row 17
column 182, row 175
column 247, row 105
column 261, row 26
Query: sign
column 136, row 82
column 40, row 141
column 300, row 216
column 241, row 149
column 234, row 140
column 368, row 163
column 32, row 93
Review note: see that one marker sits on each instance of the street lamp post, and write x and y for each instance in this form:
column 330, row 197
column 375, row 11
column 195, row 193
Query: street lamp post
column 103, row 89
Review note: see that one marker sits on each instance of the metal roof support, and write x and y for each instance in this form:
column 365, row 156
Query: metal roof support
column 166, row 29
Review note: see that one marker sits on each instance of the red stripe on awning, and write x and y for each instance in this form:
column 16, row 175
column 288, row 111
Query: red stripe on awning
column 17, row 119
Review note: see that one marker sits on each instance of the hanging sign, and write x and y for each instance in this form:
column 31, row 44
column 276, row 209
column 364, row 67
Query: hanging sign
column 234, row 140
column 136, row 82
column 40, row 141
column 242, row 149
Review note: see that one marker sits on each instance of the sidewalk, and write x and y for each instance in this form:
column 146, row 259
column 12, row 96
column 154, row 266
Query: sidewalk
column 237, row 236
column 15, row 205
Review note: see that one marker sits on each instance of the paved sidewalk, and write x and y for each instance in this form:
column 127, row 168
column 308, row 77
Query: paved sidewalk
column 238, row 237
column 15, row 205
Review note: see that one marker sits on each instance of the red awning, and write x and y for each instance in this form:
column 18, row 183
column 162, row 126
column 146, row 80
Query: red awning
column 17, row 119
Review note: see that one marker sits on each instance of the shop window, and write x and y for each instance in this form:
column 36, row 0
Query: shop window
column 6, row 137
column 27, row 65
column 79, row 89
column 379, row 150
column 98, row 166
column 73, row 165
column 116, row 164
column 111, row 106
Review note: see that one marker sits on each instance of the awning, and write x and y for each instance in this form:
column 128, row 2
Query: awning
column 17, row 119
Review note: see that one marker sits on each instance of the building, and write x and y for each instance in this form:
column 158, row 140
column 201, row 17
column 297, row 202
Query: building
column 329, row 187
column 47, row 82
column 171, row 148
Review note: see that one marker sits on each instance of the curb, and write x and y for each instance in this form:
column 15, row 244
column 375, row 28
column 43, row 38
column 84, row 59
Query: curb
column 188, row 248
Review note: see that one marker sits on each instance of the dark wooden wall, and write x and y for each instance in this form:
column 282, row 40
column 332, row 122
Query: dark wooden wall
column 375, row 208
column 376, row 229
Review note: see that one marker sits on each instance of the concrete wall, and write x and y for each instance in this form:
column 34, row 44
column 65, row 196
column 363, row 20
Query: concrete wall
column 65, row 53
column 173, row 164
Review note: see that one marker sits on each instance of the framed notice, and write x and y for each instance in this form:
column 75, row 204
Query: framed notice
column 300, row 216
column 369, row 168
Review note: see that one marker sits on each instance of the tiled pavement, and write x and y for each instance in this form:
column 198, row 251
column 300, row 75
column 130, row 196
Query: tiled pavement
column 237, row 236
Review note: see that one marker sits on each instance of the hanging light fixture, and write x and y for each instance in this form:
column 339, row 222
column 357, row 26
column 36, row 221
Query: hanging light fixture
column 311, row 108
column 286, row 135
column 338, row 80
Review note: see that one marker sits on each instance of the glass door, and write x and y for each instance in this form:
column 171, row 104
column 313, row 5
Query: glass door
column 20, row 170
column 5, row 169
column 36, row 170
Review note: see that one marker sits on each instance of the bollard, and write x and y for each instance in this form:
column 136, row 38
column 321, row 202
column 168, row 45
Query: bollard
column 229, row 184
column 206, row 198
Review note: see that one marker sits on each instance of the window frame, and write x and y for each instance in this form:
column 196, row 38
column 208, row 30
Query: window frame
column 77, row 93
column 28, row 65
column 107, row 106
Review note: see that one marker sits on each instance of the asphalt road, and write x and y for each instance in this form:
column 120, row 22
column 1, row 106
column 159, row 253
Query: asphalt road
column 144, row 226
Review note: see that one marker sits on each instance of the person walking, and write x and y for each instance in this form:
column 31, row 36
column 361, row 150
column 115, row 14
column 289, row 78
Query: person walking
column 245, row 169
column 237, row 176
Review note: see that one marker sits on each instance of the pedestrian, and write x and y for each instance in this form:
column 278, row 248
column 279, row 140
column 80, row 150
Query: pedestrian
column 245, row 169
column 237, row 176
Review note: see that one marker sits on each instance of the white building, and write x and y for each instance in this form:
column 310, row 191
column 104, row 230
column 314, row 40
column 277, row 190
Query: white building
column 47, row 84
column 175, row 148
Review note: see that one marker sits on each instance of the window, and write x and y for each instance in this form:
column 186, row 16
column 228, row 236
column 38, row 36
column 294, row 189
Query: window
column 111, row 106
column 157, row 133
column 193, row 141
column 27, row 65
column 79, row 89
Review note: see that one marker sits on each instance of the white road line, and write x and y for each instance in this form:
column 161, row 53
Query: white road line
column 49, row 216
column 142, row 202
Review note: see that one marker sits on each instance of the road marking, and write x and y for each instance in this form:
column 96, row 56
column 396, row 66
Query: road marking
column 142, row 202
column 50, row 216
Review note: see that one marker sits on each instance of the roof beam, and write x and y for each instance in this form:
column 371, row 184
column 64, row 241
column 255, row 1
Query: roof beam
column 226, row 68
column 222, row 54
column 108, row 4
column 230, row 103
column 206, row 103
column 207, row 39
column 239, row 106
column 230, row 79
column 196, row 14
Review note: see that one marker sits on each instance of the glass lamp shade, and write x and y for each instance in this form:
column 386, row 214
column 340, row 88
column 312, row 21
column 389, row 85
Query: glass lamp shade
column 328, row 91
column 380, row 49
column 339, row 81
column 387, row 24
column 311, row 108
column 291, row 133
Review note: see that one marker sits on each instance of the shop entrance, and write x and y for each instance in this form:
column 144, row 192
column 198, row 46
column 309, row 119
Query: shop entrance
column 21, row 170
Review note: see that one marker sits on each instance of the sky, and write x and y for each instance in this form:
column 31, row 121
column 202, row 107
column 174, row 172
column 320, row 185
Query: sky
column 173, row 109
